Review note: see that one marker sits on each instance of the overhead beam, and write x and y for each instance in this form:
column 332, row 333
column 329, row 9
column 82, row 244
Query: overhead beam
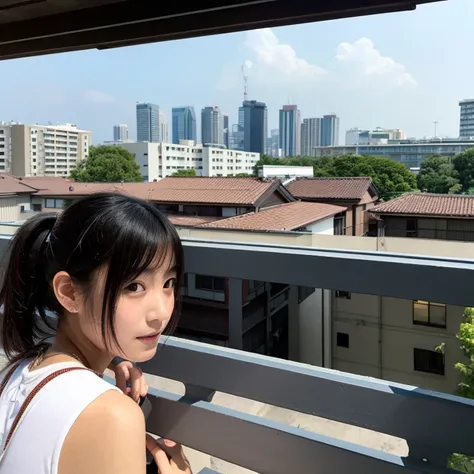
column 137, row 22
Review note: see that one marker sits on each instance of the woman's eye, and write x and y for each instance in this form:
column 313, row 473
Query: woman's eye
column 171, row 283
column 135, row 288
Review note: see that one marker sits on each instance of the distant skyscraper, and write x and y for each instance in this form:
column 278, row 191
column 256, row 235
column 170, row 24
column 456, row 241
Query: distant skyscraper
column 255, row 126
column 290, row 130
column 164, row 128
column 466, row 127
column 330, row 130
column 226, row 131
column 184, row 124
column 211, row 125
column 120, row 133
column 310, row 135
column 274, row 148
column 148, row 122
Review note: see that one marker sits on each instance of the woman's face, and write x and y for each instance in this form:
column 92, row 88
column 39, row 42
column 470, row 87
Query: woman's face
column 143, row 311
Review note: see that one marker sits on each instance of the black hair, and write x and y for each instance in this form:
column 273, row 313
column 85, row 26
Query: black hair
column 124, row 234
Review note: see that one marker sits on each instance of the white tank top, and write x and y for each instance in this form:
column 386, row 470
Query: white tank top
column 36, row 445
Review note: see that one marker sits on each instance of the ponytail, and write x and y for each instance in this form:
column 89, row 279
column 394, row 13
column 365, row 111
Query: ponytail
column 26, row 291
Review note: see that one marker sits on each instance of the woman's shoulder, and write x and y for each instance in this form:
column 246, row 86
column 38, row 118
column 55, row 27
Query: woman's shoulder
column 107, row 437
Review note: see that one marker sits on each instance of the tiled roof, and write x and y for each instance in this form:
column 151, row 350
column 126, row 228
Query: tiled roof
column 12, row 185
column 190, row 221
column 329, row 188
column 442, row 205
column 289, row 216
column 231, row 191
column 212, row 190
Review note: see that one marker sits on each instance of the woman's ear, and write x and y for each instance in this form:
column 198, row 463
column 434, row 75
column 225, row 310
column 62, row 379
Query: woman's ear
column 65, row 292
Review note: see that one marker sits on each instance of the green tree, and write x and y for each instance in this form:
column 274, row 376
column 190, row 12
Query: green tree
column 107, row 164
column 464, row 164
column 461, row 462
column 190, row 172
column 437, row 175
column 389, row 176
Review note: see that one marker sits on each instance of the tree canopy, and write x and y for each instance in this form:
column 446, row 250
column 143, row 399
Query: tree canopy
column 389, row 176
column 464, row 165
column 107, row 164
column 438, row 175
column 190, row 172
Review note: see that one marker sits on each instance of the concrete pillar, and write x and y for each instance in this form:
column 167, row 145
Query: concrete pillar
column 235, row 314
column 293, row 324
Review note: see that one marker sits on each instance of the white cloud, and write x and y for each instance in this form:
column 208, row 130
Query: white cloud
column 371, row 62
column 98, row 97
column 278, row 61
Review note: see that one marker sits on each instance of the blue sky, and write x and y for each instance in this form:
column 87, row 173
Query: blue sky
column 402, row 70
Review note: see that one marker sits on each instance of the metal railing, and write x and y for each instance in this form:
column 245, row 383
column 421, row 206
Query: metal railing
column 434, row 425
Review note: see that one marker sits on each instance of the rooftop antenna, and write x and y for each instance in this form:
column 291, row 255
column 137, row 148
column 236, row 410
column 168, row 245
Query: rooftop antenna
column 246, row 80
column 435, row 129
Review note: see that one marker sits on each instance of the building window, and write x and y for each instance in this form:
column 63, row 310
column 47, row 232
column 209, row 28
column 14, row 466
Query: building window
column 340, row 225
column 342, row 340
column 36, row 207
column 431, row 362
column 411, row 228
column 343, row 294
column 429, row 314
column 54, row 203
column 209, row 283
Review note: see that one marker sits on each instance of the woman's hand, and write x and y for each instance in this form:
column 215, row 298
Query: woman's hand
column 168, row 455
column 130, row 379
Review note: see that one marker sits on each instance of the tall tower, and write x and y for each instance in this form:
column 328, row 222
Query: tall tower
column 184, row 124
column 148, row 122
column 211, row 125
column 290, row 130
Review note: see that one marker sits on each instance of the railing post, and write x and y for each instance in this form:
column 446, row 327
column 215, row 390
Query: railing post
column 293, row 324
column 235, row 314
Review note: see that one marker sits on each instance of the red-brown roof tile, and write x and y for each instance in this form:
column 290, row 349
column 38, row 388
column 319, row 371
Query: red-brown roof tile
column 436, row 205
column 330, row 188
column 231, row 191
column 190, row 221
column 243, row 191
column 11, row 185
column 290, row 216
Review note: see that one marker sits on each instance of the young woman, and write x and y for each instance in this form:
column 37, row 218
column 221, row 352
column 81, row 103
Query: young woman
column 110, row 267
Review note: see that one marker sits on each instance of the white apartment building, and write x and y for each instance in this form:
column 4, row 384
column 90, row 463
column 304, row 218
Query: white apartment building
column 159, row 160
column 42, row 150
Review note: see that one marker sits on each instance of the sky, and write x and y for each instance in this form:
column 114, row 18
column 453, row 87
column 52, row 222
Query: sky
column 400, row 70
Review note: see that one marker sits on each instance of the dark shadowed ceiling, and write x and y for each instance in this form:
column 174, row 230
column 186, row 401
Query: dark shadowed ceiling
column 33, row 27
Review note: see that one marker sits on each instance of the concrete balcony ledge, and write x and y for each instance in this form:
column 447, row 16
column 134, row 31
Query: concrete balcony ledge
column 272, row 416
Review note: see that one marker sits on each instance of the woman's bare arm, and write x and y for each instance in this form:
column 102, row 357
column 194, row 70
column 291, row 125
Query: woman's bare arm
column 107, row 438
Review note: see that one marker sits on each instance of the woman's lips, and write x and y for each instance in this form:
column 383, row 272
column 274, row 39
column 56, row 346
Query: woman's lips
column 150, row 339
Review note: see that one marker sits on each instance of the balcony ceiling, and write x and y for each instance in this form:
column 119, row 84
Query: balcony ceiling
column 34, row 27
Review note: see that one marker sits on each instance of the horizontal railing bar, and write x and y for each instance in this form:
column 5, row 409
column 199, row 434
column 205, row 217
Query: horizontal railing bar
column 263, row 445
column 429, row 421
column 412, row 277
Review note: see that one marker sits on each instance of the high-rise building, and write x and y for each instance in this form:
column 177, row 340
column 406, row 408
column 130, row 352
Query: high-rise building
column 148, row 123
column 290, row 130
column 164, row 128
column 466, row 126
column 42, row 150
column 310, row 135
column 120, row 133
column 330, row 130
column 183, row 124
column 255, row 126
column 211, row 126
column 226, row 131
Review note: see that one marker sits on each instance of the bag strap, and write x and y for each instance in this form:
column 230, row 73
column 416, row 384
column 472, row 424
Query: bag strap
column 29, row 398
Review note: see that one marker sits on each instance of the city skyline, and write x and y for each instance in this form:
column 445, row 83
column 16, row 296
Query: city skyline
column 361, row 71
